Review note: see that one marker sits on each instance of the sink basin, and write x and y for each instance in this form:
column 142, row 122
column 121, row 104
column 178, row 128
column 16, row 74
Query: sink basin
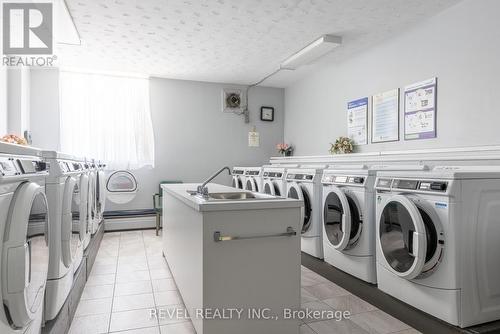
column 232, row 196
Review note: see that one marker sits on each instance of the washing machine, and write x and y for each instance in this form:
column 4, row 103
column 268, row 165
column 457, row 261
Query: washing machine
column 274, row 180
column 24, row 228
column 66, row 246
column 253, row 178
column 92, row 198
column 437, row 238
column 304, row 184
column 100, row 191
column 238, row 177
column 80, row 206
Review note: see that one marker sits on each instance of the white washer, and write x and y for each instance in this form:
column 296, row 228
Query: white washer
column 81, row 225
column 304, row 183
column 274, row 180
column 101, row 191
column 65, row 209
column 253, row 178
column 92, row 198
column 438, row 241
column 238, row 177
column 24, row 250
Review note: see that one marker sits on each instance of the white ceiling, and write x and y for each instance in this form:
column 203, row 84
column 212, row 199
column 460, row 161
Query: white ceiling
column 233, row 41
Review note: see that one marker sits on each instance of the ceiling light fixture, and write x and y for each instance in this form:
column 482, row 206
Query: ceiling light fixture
column 313, row 51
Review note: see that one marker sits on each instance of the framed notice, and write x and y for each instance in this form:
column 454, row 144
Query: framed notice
column 357, row 121
column 420, row 110
column 385, row 116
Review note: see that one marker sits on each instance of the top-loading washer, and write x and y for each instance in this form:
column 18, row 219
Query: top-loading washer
column 304, row 183
column 437, row 241
column 238, row 177
column 66, row 247
column 253, row 178
column 24, row 227
column 349, row 217
column 274, row 180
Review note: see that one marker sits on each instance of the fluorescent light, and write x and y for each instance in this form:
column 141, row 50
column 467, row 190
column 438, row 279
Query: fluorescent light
column 313, row 51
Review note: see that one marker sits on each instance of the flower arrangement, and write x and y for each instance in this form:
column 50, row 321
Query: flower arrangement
column 342, row 145
column 13, row 139
column 284, row 149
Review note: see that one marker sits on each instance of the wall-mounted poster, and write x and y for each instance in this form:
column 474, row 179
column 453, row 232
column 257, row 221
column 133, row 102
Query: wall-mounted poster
column 385, row 116
column 357, row 121
column 420, row 110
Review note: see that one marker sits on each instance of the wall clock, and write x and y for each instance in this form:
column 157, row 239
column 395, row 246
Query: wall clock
column 267, row 114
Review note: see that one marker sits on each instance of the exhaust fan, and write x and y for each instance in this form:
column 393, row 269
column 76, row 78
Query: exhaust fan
column 232, row 101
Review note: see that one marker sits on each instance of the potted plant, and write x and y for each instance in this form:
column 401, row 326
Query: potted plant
column 342, row 145
column 13, row 139
column 284, row 149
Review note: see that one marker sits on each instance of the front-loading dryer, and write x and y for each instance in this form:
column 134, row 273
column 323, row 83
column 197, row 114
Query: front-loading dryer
column 437, row 241
column 24, row 228
column 253, row 178
column 304, row 184
column 92, row 198
column 63, row 191
column 238, row 175
column 274, row 180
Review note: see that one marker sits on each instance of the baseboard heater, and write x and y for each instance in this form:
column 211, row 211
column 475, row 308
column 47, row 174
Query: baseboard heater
column 129, row 219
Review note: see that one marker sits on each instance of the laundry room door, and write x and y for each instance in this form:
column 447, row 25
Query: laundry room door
column 341, row 219
column 402, row 237
column 297, row 191
column 25, row 254
column 70, row 239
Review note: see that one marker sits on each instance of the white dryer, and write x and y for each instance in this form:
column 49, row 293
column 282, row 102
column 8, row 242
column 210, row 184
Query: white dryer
column 24, row 251
column 274, row 180
column 100, row 191
column 66, row 246
column 92, row 198
column 238, row 177
column 81, row 224
column 253, row 178
column 304, row 184
column 437, row 241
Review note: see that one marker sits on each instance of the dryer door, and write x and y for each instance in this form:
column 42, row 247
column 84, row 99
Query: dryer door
column 237, row 182
column 79, row 207
column 341, row 219
column 271, row 188
column 402, row 237
column 296, row 191
column 25, row 256
column 70, row 241
column 251, row 185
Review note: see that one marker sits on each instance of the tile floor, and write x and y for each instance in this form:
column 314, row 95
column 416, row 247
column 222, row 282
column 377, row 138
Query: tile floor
column 130, row 279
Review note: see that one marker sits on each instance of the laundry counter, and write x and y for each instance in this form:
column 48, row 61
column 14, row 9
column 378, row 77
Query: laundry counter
column 236, row 262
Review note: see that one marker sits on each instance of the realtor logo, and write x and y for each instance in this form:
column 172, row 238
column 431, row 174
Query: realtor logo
column 27, row 29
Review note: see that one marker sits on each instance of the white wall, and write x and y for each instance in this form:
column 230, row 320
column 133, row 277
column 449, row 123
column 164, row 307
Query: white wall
column 459, row 46
column 18, row 100
column 44, row 118
column 3, row 101
column 194, row 138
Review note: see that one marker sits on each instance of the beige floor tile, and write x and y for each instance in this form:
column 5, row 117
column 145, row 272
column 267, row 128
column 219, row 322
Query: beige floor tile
column 101, row 279
column 316, row 306
column 167, row 298
column 306, row 296
column 92, row 324
column 338, row 327
column 408, row 331
column 326, row 290
column 106, row 260
column 179, row 328
column 133, row 302
column 350, row 303
column 103, row 269
column 378, row 322
column 305, row 329
column 315, row 277
column 149, row 330
column 172, row 314
column 134, row 276
column 307, row 281
column 164, row 284
column 133, row 288
column 160, row 273
column 132, row 259
column 97, row 292
column 93, row 307
column 135, row 319
column 129, row 267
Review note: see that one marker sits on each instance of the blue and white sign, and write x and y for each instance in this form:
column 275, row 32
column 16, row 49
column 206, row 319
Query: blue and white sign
column 357, row 121
column 420, row 110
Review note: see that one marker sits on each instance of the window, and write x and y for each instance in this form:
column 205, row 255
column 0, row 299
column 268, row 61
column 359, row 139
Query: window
column 107, row 118
column 121, row 181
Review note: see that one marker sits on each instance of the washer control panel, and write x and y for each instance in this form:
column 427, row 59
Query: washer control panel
column 343, row 179
column 412, row 185
column 278, row 175
column 300, row 177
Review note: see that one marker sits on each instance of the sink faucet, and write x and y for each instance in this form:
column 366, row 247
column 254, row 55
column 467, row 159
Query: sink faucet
column 203, row 189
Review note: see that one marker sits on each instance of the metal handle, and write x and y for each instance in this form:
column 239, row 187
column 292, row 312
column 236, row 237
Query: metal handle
column 218, row 237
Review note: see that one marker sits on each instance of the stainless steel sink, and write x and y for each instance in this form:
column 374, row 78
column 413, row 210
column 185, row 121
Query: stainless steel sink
column 232, row 196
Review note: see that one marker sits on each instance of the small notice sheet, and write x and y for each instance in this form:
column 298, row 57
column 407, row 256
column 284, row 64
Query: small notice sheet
column 385, row 116
column 357, row 121
column 420, row 110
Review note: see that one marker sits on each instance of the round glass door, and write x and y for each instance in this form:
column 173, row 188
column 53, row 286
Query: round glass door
column 237, row 183
column 70, row 238
column 341, row 219
column 298, row 192
column 252, row 185
column 26, row 254
column 408, row 237
column 271, row 188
